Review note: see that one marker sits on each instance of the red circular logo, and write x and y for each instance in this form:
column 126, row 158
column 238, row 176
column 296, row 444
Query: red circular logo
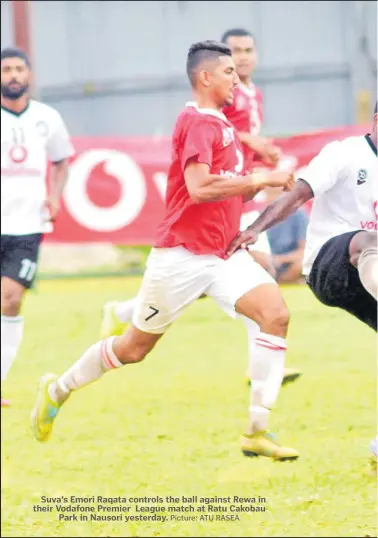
column 18, row 154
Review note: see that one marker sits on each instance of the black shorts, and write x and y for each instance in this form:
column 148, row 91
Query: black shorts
column 19, row 257
column 336, row 282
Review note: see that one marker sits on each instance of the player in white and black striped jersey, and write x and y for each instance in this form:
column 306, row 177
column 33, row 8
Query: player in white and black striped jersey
column 31, row 134
column 341, row 258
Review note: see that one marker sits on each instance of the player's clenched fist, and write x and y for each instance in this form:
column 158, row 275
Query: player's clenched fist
column 278, row 179
column 281, row 178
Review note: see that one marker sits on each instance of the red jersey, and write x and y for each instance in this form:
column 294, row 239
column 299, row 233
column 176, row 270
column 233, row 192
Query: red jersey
column 209, row 227
column 246, row 114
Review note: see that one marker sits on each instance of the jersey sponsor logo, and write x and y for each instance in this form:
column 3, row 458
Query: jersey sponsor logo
column 20, row 172
column 228, row 136
column 18, row 154
column 362, row 175
column 228, row 174
column 371, row 224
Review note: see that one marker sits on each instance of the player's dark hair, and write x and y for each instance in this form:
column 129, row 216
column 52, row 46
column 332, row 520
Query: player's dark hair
column 204, row 50
column 13, row 52
column 376, row 108
column 236, row 32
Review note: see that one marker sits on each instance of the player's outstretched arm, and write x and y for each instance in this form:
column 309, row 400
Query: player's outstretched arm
column 276, row 212
column 206, row 187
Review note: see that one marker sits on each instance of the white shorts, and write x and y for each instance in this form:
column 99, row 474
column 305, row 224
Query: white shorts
column 175, row 277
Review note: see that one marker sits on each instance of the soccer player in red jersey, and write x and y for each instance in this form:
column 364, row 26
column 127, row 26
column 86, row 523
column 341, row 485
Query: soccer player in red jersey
column 246, row 111
column 205, row 195
column 246, row 115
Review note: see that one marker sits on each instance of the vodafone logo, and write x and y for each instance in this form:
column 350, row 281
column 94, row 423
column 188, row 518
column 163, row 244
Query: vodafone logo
column 18, row 154
column 371, row 224
column 132, row 192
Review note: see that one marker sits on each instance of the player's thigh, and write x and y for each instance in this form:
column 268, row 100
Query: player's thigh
column 333, row 279
column 239, row 277
column 173, row 279
column 265, row 305
column 21, row 259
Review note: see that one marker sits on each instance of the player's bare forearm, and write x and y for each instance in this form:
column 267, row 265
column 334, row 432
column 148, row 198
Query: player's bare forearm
column 205, row 187
column 216, row 188
column 58, row 178
column 284, row 206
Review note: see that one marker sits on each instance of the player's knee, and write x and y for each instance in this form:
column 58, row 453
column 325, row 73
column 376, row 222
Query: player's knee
column 275, row 320
column 138, row 353
column 132, row 355
column 360, row 243
column 370, row 242
column 10, row 302
column 131, row 350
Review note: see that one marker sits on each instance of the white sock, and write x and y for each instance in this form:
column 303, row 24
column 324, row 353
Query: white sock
column 368, row 270
column 97, row 360
column 253, row 330
column 124, row 310
column 12, row 328
column 267, row 358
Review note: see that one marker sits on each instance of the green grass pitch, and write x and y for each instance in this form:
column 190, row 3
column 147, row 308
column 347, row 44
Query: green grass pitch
column 171, row 425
